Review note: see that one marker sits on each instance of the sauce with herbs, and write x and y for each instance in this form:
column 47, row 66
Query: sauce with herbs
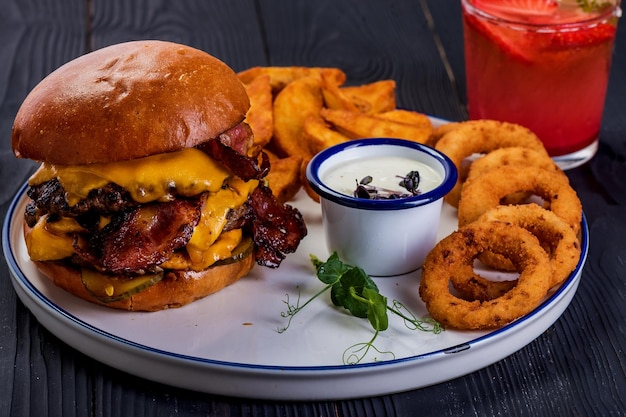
column 386, row 172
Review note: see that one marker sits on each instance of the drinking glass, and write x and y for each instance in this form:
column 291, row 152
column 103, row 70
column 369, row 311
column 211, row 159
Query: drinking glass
column 543, row 64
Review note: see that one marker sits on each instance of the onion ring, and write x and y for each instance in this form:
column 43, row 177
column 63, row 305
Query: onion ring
column 514, row 155
column 439, row 131
column 555, row 236
column 455, row 255
column 476, row 287
column 480, row 137
column 483, row 194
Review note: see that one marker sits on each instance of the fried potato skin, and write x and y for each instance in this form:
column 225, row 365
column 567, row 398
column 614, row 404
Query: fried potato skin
column 287, row 110
column 357, row 125
column 292, row 106
column 260, row 116
column 319, row 135
column 284, row 177
column 280, row 77
column 373, row 98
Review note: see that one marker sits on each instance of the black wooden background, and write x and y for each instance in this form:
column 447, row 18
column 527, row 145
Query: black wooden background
column 577, row 368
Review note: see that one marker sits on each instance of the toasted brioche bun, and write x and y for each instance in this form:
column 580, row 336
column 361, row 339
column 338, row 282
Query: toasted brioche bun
column 124, row 102
column 176, row 289
column 128, row 101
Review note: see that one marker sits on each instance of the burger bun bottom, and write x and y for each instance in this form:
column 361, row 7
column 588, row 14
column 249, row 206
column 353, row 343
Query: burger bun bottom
column 176, row 289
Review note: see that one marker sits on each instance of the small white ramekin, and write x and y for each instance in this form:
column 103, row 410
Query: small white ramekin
column 384, row 237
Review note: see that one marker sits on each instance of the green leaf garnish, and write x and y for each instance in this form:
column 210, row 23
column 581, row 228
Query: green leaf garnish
column 590, row 6
column 331, row 271
column 357, row 352
column 348, row 292
column 351, row 288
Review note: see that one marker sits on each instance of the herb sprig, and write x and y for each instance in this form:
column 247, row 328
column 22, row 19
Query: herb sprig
column 351, row 288
column 590, row 6
column 410, row 182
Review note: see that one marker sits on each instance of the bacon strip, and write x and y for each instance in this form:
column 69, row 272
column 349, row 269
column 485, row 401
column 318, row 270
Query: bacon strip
column 239, row 138
column 230, row 148
column 277, row 228
column 140, row 239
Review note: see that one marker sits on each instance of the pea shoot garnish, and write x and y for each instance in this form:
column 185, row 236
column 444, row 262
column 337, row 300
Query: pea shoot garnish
column 590, row 6
column 410, row 182
column 351, row 288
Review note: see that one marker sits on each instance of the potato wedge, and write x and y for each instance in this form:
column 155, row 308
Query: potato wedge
column 284, row 177
column 292, row 106
column 281, row 76
column 305, row 183
column 373, row 98
column 405, row 116
column 319, row 136
column 334, row 98
column 260, row 116
column 358, row 125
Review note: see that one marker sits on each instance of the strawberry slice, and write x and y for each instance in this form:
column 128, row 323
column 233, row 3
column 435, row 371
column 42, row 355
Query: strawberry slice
column 595, row 35
column 524, row 9
column 517, row 48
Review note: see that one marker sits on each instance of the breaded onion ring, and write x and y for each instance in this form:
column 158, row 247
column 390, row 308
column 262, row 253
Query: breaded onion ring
column 439, row 131
column 480, row 137
column 485, row 193
column 514, row 155
column 455, row 255
column 509, row 156
column 474, row 287
column 555, row 236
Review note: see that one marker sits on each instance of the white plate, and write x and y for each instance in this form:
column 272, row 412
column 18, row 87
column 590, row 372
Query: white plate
column 228, row 343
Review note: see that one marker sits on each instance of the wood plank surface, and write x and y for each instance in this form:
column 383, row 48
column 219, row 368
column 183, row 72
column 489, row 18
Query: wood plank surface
column 36, row 372
column 370, row 40
column 576, row 368
column 35, row 40
column 230, row 32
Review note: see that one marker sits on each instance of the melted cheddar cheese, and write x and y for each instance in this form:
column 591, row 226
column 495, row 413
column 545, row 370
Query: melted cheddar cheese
column 222, row 248
column 47, row 244
column 202, row 248
column 189, row 172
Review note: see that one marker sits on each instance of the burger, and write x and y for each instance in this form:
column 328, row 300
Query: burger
column 150, row 194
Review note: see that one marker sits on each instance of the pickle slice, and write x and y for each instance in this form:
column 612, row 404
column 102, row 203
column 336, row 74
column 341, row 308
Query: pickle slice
column 108, row 288
column 241, row 251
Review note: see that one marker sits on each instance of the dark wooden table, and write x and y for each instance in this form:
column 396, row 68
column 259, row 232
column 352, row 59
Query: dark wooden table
column 576, row 368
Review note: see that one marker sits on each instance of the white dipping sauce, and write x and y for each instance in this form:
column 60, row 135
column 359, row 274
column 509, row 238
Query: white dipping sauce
column 386, row 172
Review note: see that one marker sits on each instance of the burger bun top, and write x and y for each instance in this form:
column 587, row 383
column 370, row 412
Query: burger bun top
column 128, row 101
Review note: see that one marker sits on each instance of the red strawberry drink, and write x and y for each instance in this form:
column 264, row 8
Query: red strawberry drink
column 543, row 64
